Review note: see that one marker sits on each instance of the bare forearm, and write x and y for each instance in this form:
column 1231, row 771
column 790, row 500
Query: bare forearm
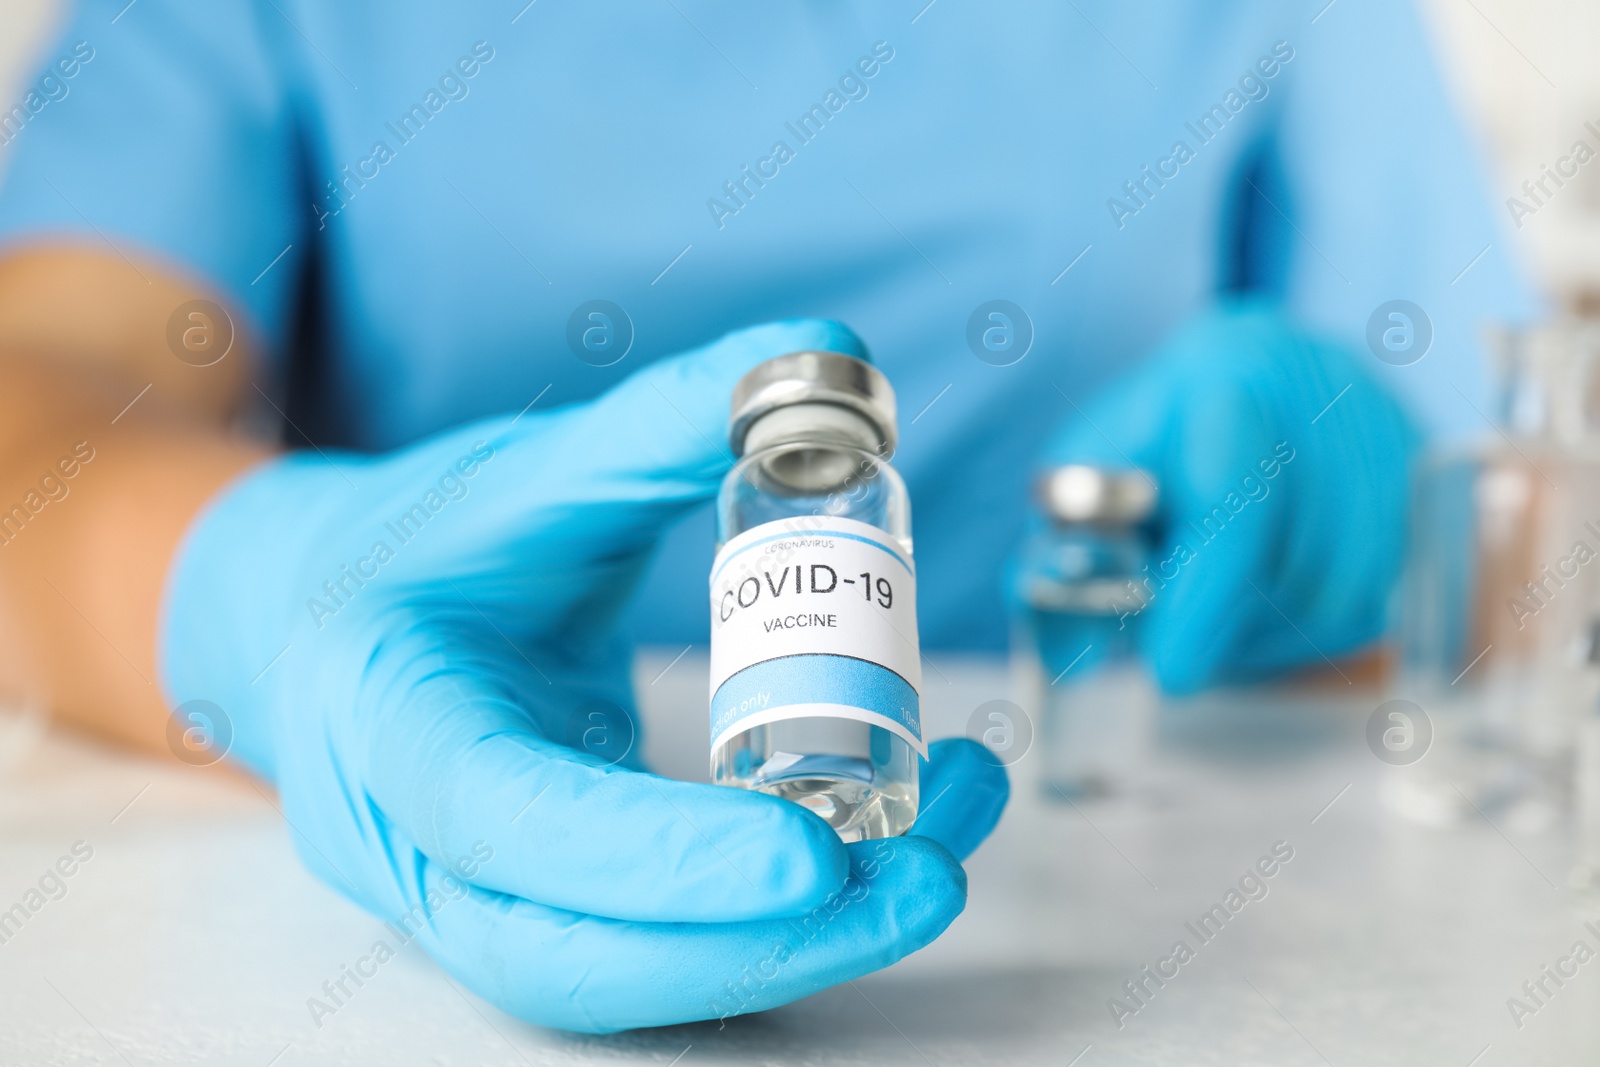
column 94, row 493
column 91, row 511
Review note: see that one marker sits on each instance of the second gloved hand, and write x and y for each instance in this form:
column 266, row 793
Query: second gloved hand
column 417, row 649
column 1283, row 475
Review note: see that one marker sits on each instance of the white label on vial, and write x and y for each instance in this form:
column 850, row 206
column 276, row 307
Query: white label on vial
column 814, row 617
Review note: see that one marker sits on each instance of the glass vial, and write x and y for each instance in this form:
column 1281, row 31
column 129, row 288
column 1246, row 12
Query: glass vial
column 1501, row 587
column 1585, row 873
column 815, row 666
column 1082, row 589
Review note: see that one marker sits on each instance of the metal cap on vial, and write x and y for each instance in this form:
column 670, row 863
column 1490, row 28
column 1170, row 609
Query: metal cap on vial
column 816, row 378
column 1081, row 493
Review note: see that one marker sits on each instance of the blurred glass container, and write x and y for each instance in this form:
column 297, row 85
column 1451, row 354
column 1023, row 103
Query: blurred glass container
column 1503, row 578
column 1081, row 586
column 1585, row 873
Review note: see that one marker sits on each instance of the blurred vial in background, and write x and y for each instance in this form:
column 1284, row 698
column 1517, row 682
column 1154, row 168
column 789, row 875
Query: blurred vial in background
column 1502, row 582
column 1080, row 586
column 1585, row 874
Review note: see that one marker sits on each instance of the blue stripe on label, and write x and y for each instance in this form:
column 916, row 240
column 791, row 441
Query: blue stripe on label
column 818, row 678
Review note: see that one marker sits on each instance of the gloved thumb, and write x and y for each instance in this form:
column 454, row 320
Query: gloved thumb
column 659, row 438
column 574, row 495
column 669, row 421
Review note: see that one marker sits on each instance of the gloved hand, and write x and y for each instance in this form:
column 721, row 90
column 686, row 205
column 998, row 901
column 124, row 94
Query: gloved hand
column 417, row 649
column 1281, row 519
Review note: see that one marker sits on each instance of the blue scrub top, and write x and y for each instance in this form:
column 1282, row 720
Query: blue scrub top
column 406, row 202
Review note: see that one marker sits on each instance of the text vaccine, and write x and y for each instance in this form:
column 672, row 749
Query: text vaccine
column 815, row 667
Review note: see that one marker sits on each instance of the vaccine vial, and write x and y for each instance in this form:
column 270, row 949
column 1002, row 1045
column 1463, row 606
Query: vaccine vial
column 1585, row 873
column 815, row 666
column 1499, row 592
column 1083, row 587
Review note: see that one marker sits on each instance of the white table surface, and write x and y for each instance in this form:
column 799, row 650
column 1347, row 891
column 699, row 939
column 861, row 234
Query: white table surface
column 193, row 934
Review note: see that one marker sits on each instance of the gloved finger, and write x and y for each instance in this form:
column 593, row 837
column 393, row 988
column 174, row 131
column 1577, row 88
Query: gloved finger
column 1265, row 473
column 603, row 477
column 571, row 502
column 1202, row 416
column 670, row 420
column 1201, row 620
column 1366, row 487
column 961, row 794
column 580, row 972
column 1203, row 555
column 457, row 764
column 1206, row 611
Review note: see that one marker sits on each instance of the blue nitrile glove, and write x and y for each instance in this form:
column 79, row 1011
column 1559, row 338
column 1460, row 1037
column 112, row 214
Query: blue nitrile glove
column 417, row 649
column 1281, row 519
